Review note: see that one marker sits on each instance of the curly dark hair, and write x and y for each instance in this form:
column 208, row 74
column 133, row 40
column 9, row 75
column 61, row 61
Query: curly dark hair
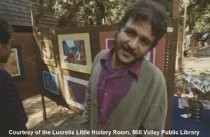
column 5, row 31
column 148, row 11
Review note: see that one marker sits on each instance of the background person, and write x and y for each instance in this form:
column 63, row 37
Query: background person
column 12, row 114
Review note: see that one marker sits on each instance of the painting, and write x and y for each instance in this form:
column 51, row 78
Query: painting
column 107, row 39
column 110, row 43
column 150, row 56
column 47, row 52
column 75, row 90
column 75, row 52
column 50, row 82
column 14, row 64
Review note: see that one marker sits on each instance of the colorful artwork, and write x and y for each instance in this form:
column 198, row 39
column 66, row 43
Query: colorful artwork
column 75, row 90
column 50, row 81
column 13, row 65
column 47, row 52
column 107, row 39
column 150, row 56
column 110, row 43
column 75, row 53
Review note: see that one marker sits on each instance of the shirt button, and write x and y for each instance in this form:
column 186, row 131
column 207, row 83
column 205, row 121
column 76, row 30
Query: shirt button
column 105, row 93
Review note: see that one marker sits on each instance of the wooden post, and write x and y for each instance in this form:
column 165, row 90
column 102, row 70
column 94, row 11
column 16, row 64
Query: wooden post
column 35, row 34
column 183, row 42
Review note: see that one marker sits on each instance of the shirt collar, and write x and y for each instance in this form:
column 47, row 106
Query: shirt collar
column 134, row 70
column 107, row 57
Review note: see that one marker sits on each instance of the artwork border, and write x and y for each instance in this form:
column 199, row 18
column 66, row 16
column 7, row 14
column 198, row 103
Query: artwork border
column 76, row 67
column 57, row 91
column 66, row 89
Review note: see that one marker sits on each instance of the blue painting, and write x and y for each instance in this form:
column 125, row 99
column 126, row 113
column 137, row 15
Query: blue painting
column 50, row 81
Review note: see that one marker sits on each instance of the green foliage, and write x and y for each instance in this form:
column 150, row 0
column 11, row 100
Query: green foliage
column 198, row 16
column 88, row 12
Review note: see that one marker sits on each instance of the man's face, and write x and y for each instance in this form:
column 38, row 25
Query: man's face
column 133, row 41
column 5, row 51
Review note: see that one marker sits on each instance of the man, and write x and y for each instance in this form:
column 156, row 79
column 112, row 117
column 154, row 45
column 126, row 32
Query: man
column 126, row 92
column 12, row 114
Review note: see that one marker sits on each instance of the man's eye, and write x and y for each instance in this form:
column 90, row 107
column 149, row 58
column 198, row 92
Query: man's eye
column 144, row 42
column 129, row 32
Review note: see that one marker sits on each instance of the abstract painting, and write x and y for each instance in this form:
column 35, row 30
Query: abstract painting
column 75, row 90
column 51, row 82
column 75, row 52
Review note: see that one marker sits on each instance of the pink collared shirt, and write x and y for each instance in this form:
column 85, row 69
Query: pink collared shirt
column 113, row 86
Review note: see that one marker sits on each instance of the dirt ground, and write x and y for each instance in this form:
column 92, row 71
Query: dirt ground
column 197, row 65
column 58, row 117
column 62, row 119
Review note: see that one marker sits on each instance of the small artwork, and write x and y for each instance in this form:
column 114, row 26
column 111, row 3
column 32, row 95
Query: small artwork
column 50, row 81
column 47, row 52
column 107, row 39
column 14, row 64
column 75, row 53
column 75, row 90
column 110, row 43
column 150, row 56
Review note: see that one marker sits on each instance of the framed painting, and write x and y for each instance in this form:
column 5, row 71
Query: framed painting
column 14, row 65
column 50, row 82
column 107, row 39
column 75, row 90
column 75, row 52
column 150, row 56
column 47, row 52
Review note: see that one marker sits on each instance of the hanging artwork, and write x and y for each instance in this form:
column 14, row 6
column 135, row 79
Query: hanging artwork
column 47, row 52
column 150, row 56
column 50, row 82
column 14, row 64
column 75, row 90
column 75, row 52
column 107, row 39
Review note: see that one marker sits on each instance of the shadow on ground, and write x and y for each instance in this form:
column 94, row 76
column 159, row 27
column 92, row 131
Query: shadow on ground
column 58, row 117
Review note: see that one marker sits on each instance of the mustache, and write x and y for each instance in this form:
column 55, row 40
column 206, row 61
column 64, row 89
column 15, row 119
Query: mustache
column 130, row 50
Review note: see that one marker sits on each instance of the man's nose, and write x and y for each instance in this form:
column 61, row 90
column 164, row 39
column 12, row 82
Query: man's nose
column 133, row 43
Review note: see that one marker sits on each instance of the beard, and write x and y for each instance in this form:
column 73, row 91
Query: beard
column 132, row 53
